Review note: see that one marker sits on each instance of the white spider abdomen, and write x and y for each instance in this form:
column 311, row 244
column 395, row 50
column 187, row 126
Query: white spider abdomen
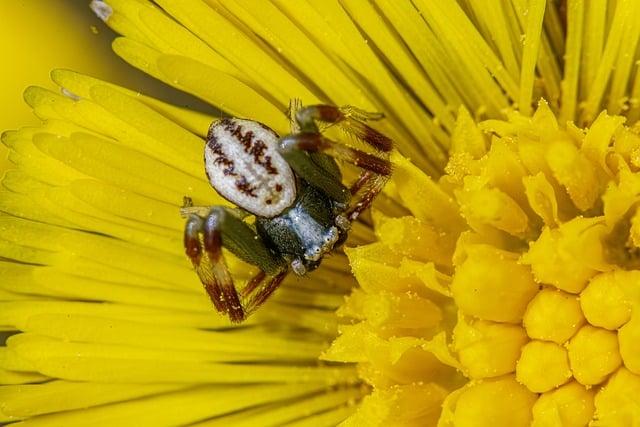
column 243, row 164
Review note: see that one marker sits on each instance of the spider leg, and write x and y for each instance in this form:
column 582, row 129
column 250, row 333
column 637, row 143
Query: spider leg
column 204, row 239
column 255, row 293
column 308, row 167
column 259, row 295
column 253, row 284
column 372, row 184
column 376, row 171
column 363, row 179
column 376, row 168
column 316, row 143
column 212, row 275
column 350, row 119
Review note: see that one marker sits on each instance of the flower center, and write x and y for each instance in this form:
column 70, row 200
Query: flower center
column 528, row 260
column 554, row 320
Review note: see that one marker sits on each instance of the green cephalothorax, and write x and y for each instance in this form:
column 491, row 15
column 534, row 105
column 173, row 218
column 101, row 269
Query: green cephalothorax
column 305, row 231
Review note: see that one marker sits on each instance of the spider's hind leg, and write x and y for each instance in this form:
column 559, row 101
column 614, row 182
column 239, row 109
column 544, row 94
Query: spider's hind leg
column 204, row 239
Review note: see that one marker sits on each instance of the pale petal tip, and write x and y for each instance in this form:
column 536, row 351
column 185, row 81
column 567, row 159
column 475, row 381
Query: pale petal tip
column 66, row 92
column 101, row 9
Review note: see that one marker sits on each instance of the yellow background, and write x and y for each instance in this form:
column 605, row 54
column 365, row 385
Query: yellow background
column 37, row 36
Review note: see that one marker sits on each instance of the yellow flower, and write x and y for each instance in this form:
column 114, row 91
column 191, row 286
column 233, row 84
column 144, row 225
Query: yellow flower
column 544, row 278
column 502, row 285
column 519, row 266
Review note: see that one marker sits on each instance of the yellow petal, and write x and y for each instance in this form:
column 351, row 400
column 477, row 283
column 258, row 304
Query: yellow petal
column 598, row 138
column 567, row 257
column 55, row 396
column 533, row 28
column 203, row 402
column 424, row 198
column 542, row 198
column 413, row 404
column 308, row 410
column 415, row 239
column 493, row 207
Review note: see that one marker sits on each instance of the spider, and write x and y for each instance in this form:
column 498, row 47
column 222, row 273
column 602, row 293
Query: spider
column 293, row 187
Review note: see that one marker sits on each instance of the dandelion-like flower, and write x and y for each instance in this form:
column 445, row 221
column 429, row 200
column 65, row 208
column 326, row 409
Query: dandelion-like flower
column 497, row 283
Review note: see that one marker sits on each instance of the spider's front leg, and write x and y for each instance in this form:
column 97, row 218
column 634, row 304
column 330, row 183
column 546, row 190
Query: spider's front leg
column 376, row 168
column 204, row 238
column 350, row 119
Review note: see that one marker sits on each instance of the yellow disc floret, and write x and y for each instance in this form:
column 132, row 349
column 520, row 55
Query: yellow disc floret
column 568, row 256
column 568, row 406
column 491, row 285
column 629, row 340
column 543, row 366
column 617, row 402
column 487, row 349
column 484, row 404
column 553, row 315
column 593, row 354
column 606, row 301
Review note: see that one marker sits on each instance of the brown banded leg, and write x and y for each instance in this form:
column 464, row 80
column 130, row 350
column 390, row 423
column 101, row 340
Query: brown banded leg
column 262, row 293
column 202, row 263
column 212, row 237
column 204, row 239
column 361, row 181
column 316, row 143
column 258, row 290
column 206, row 255
column 350, row 119
column 375, row 170
column 373, row 185
column 253, row 284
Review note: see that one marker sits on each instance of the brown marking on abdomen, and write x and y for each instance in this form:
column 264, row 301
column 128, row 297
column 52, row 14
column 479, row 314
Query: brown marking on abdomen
column 256, row 149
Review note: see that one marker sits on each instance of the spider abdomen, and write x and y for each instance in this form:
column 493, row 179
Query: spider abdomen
column 243, row 164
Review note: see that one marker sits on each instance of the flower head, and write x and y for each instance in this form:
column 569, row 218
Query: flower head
column 518, row 267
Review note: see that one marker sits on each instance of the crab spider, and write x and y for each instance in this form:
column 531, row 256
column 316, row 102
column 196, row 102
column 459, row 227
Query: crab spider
column 293, row 187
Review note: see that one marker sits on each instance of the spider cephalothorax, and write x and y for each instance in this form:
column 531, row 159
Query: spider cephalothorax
column 293, row 187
